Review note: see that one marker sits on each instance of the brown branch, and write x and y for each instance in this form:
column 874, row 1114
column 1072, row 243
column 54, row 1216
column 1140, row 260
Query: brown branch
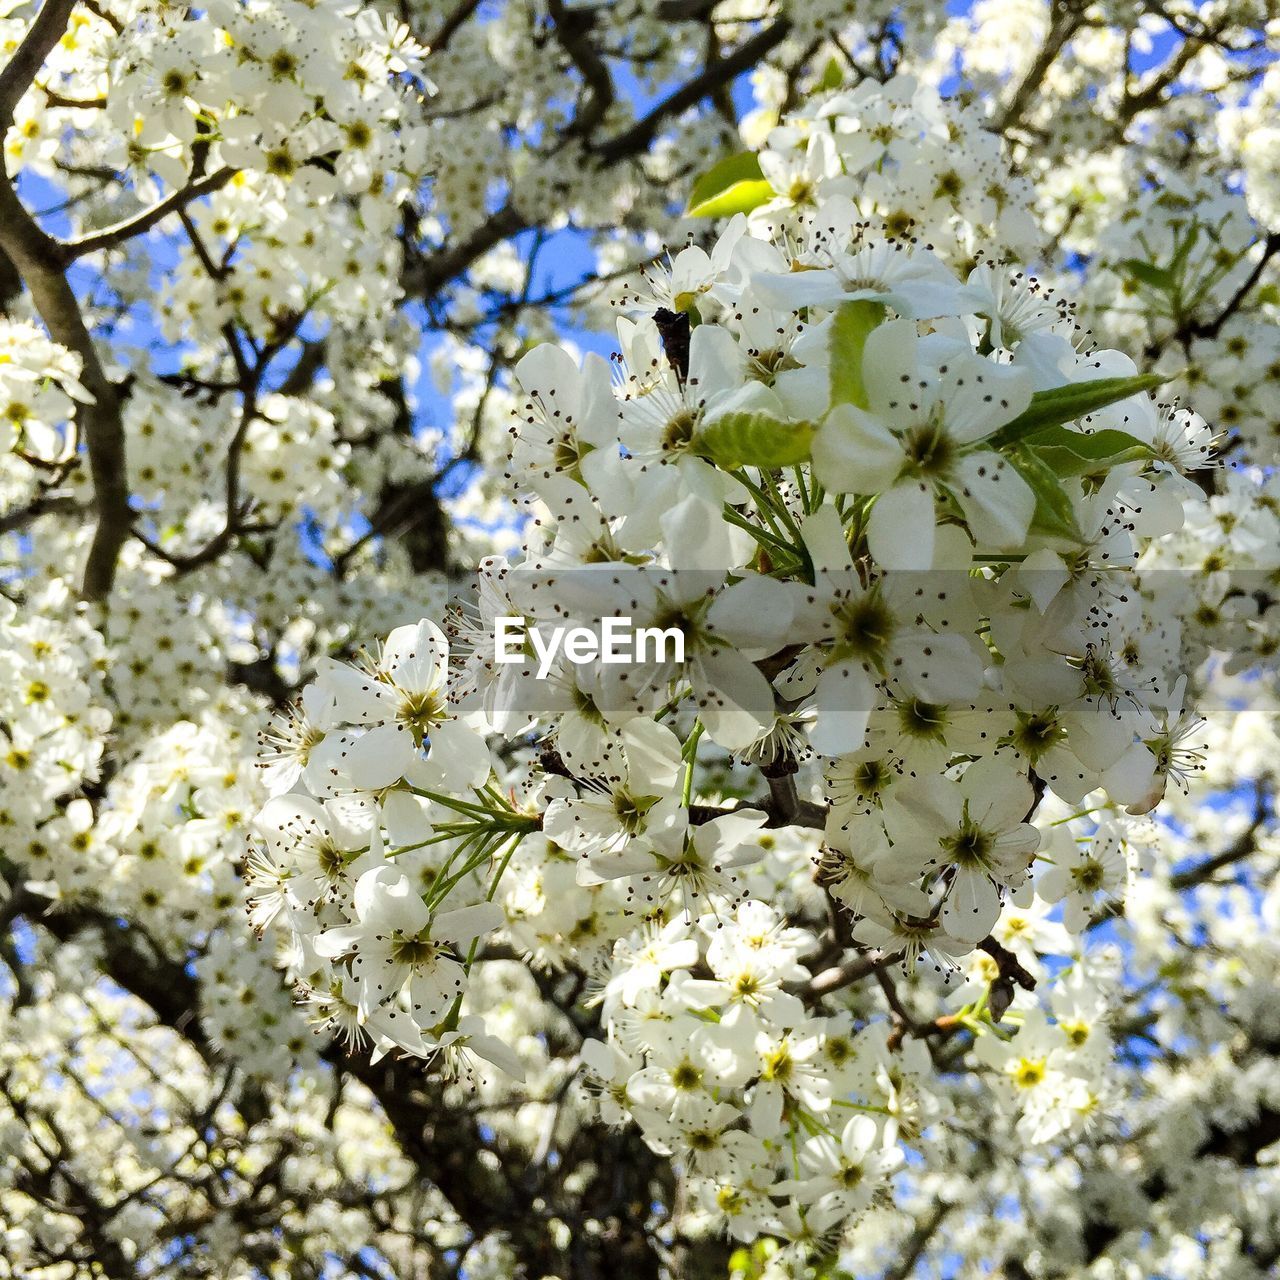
column 918, row 1241
column 126, row 229
column 1240, row 848
column 638, row 137
column 1151, row 96
column 300, row 378
column 38, row 262
column 944, row 1025
column 685, row 10
column 56, row 99
column 1270, row 247
column 445, row 31
column 42, row 504
column 251, row 378
column 847, row 973
column 106, row 15
column 46, row 29
column 1064, row 24
column 573, row 31
column 426, row 276
column 787, row 805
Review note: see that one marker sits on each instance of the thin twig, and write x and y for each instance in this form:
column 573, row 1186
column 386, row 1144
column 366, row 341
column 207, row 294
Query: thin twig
column 142, row 222
column 742, row 58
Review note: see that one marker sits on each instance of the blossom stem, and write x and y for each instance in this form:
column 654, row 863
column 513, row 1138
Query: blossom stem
column 690, row 753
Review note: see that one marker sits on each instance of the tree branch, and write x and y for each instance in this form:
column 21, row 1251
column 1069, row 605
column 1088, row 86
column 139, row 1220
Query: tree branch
column 1240, row 848
column 1063, row 25
column 37, row 260
column 918, row 1241
column 126, row 229
column 426, row 276
column 1151, row 96
column 46, row 29
column 42, row 504
column 1270, row 247
column 745, row 56
column 685, row 10
column 790, row 808
column 445, row 31
column 573, row 30
column 848, row 972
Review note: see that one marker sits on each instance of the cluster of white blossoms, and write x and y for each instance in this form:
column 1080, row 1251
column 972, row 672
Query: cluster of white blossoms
column 893, row 513
column 924, row 167
column 274, row 90
column 1167, row 267
column 732, row 1074
column 363, row 883
column 301, row 125
column 162, row 847
column 75, row 1059
column 52, row 734
column 786, row 961
column 39, row 388
column 1219, row 573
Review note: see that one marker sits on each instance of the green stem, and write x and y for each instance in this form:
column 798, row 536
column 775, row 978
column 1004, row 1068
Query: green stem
column 502, row 867
column 690, row 753
column 450, row 802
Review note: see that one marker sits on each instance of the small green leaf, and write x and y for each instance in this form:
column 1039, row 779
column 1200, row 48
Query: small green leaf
column 850, row 330
column 832, row 75
column 734, row 185
column 1183, row 252
column 754, row 440
column 1149, row 274
column 1054, row 515
column 1067, row 404
column 1065, row 463
column 1076, row 453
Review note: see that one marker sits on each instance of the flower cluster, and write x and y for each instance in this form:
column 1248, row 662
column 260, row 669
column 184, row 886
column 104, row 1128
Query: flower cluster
column 39, row 388
column 53, row 728
column 1168, row 267
column 920, row 166
column 804, row 940
column 761, row 1101
column 893, row 513
column 274, row 89
column 384, row 896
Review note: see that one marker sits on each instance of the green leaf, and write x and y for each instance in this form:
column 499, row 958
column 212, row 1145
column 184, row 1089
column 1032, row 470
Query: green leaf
column 832, row 75
column 754, row 440
column 1054, row 515
column 1149, row 274
column 1183, row 252
column 734, row 185
column 1075, row 453
column 1067, row 404
column 850, row 330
